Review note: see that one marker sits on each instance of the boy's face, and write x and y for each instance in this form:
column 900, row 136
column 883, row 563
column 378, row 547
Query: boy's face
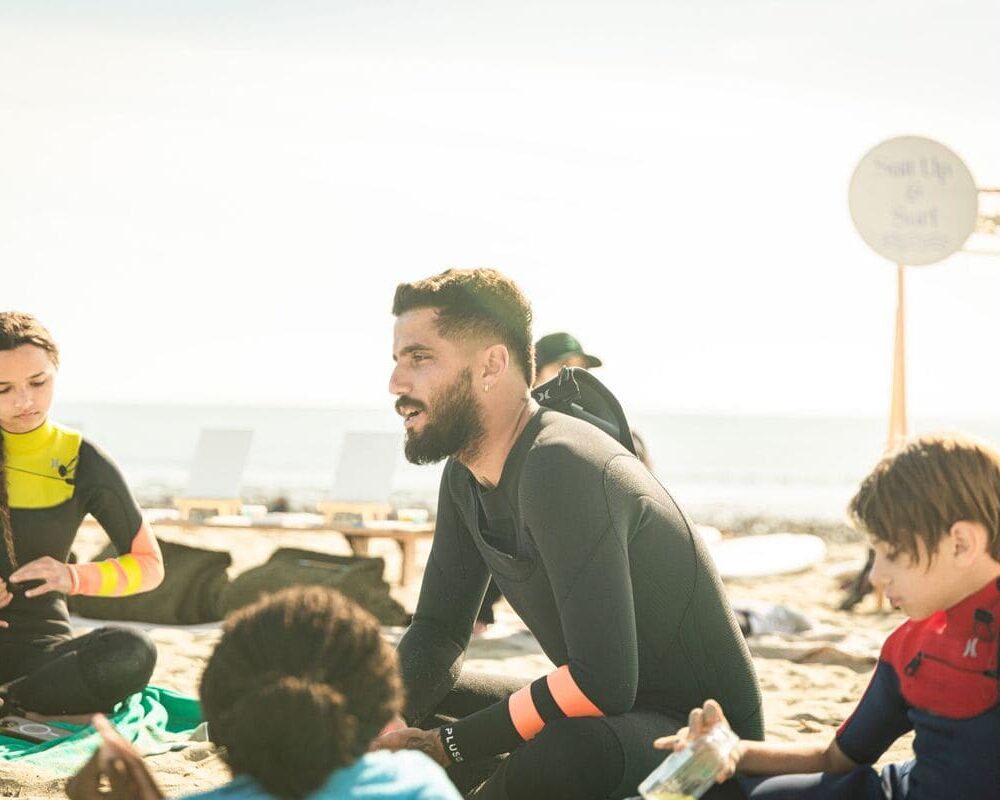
column 922, row 586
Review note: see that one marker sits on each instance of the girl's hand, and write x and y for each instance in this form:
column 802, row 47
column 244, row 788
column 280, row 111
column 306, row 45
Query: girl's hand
column 55, row 576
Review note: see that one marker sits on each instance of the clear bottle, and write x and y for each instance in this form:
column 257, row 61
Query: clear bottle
column 689, row 773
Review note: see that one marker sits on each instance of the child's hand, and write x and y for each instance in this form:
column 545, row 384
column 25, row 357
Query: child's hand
column 427, row 742
column 700, row 722
column 114, row 772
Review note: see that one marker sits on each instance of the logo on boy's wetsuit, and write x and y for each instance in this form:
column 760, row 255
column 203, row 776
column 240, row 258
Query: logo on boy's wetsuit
column 982, row 629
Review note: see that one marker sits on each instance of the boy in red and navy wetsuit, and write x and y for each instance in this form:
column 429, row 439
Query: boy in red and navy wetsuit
column 932, row 510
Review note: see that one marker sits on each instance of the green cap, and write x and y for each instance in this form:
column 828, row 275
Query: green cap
column 557, row 346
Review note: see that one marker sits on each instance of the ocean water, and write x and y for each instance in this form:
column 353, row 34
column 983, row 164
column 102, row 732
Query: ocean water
column 714, row 465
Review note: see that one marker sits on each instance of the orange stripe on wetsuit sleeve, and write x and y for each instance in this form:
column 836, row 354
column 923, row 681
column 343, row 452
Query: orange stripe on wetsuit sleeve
column 568, row 696
column 527, row 721
column 146, row 552
column 139, row 570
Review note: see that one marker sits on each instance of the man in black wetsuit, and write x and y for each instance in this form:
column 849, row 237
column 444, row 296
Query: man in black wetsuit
column 590, row 550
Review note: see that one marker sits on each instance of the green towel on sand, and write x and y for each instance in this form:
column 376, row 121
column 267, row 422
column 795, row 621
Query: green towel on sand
column 152, row 720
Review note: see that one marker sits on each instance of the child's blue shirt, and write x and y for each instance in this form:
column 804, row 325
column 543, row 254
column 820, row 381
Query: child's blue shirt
column 406, row 775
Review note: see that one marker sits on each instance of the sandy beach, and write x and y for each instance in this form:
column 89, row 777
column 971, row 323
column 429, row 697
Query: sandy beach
column 810, row 681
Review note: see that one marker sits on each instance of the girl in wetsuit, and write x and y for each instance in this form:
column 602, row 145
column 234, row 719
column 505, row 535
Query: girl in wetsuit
column 50, row 478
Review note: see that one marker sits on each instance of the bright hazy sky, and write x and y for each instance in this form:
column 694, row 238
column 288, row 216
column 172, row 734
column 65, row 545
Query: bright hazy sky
column 213, row 201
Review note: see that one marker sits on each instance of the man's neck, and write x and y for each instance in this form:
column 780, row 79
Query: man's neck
column 503, row 426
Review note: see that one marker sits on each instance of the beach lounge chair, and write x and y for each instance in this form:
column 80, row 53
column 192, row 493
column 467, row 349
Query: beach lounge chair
column 359, row 507
column 363, row 482
column 216, row 474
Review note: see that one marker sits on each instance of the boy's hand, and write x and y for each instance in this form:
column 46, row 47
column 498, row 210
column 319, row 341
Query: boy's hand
column 54, row 574
column 114, row 772
column 427, row 742
column 700, row 722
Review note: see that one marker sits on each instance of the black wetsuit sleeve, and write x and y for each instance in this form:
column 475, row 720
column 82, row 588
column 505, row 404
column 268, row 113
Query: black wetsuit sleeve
column 102, row 492
column 584, row 547
column 878, row 720
column 433, row 648
column 564, row 504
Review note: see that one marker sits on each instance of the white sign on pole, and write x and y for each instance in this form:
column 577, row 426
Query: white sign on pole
column 913, row 200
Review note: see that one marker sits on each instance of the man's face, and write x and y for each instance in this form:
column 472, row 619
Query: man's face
column 432, row 381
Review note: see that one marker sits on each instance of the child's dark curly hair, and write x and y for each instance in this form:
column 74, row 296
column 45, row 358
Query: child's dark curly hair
column 298, row 686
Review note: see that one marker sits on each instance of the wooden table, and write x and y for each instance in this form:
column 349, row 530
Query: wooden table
column 404, row 534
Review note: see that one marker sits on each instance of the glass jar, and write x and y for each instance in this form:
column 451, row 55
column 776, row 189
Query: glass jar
column 688, row 773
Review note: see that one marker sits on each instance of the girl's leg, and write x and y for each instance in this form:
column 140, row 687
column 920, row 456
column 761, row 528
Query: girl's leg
column 90, row 673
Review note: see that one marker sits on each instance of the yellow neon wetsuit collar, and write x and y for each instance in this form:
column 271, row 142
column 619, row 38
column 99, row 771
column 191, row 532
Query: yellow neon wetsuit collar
column 18, row 444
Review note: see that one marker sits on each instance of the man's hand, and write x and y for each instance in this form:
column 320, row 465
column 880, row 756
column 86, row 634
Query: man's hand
column 427, row 742
column 5, row 598
column 55, row 575
column 114, row 772
column 700, row 722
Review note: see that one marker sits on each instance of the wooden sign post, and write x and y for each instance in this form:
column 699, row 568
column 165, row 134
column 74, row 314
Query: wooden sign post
column 898, row 425
column 914, row 202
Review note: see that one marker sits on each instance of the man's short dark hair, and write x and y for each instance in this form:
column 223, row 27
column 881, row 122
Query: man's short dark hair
column 475, row 302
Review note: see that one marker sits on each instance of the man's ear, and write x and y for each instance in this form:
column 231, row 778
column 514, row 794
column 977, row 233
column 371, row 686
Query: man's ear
column 496, row 359
column 968, row 540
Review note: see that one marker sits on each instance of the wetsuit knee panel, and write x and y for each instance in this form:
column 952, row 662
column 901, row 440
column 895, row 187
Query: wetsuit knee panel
column 575, row 758
column 117, row 661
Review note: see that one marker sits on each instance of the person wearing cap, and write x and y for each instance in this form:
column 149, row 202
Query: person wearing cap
column 557, row 350
column 553, row 352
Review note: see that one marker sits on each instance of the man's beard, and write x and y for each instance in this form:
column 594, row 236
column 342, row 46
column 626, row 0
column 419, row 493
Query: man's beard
column 454, row 425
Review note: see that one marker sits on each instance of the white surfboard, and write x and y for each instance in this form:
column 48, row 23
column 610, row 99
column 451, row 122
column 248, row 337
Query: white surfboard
column 767, row 554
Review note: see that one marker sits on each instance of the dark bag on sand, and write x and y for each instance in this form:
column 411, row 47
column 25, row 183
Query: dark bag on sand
column 193, row 582
column 577, row 392
column 355, row 577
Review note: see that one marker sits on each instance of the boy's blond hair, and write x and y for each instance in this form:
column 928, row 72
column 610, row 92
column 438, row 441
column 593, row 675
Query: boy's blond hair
column 917, row 492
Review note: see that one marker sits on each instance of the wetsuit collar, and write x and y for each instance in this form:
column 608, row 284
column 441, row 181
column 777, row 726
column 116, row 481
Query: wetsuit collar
column 18, row 444
column 521, row 445
column 985, row 598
